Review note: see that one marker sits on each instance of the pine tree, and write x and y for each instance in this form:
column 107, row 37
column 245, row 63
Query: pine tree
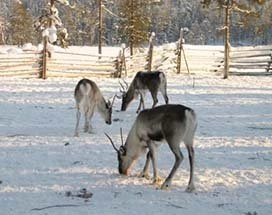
column 134, row 24
column 20, row 27
column 165, row 18
column 80, row 22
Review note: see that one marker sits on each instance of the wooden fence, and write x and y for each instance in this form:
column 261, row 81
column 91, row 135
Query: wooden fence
column 68, row 64
column 201, row 59
column 31, row 63
column 254, row 60
column 20, row 64
column 206, row 59
column 74, row 63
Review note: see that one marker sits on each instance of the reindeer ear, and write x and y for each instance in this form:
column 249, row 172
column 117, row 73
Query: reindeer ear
column 109, row 103
column 119, row 95
column 122, row 150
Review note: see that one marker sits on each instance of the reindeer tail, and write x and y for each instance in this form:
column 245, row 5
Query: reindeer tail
column 85, row 88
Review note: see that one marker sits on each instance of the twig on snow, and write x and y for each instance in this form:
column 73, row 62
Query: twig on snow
column 59, row 206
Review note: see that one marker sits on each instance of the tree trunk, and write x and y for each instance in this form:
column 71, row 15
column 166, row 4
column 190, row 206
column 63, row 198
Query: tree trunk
column 100, row 28
column 131, row 47
column 227, row 40
column 131, row 29
column 150, row 52
column 52, row 2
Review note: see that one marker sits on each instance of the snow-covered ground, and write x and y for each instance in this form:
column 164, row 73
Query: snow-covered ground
column 43, row 167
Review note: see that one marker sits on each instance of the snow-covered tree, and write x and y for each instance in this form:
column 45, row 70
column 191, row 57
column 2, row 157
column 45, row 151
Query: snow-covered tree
column 51, row 25
column 165, row 18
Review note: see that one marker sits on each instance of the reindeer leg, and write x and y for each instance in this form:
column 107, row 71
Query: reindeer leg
column 166, row 99
column 141, row 103
column 191, row 153
column 139, row 107
column 153, row 156
column 145, row 173
column 86, row 125
column 77, row 123
column 155, row 99
column 90, row 115
column 174, row 146
column 142, row 99
column 164, row 94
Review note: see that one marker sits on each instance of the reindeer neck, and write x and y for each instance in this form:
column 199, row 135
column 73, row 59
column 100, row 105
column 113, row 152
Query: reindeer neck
column 101, row 103
column 133, row 148
column 131, row 92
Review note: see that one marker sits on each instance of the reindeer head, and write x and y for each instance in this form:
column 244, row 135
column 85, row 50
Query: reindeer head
column 108, row 110
column 125, row 95
column 124, row 102
column 123, row 162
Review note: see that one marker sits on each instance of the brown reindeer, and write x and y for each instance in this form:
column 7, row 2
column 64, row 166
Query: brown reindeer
column 152, row 81
column 172, row 123
column 88, row 97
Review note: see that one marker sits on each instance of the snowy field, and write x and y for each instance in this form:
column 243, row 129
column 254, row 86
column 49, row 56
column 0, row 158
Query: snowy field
column 44, row 168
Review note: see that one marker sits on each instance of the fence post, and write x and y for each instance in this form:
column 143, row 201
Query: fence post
column 120, row 62
column 116, row 74
column 150, row 52
column 179, row 48
column 45, row 35
column 123, row 59
column 269, row 63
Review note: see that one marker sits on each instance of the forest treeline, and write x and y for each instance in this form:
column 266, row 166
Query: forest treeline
column 164, row 17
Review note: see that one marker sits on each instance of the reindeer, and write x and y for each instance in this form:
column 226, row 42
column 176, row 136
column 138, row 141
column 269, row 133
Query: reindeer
column 172, row 123
column 88, row 97
column 152, row 81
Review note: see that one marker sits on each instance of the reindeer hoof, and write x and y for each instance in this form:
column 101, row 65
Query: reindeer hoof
column 190, row 189
column 165, row 186
column 144, row 175
column 157, row 180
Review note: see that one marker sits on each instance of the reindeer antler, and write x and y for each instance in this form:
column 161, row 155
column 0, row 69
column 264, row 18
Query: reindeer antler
column 121, row 134
column 124, row 87
column 112, row 142
column 113, row 99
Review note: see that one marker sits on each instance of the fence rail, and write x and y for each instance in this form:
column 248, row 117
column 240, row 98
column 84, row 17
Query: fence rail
column 24, row 64
column 80, row 64
column 74, row 63
column 246, row 60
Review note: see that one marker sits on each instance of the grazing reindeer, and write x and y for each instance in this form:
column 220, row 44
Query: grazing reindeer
column 172, row 123
column 152, row 81
column 88, row 97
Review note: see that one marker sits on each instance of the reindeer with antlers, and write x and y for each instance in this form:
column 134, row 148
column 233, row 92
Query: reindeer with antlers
column 172, row 123
column 152, row 81
column 88, row 97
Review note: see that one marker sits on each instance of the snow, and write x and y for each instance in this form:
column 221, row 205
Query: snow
column 41, row 161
